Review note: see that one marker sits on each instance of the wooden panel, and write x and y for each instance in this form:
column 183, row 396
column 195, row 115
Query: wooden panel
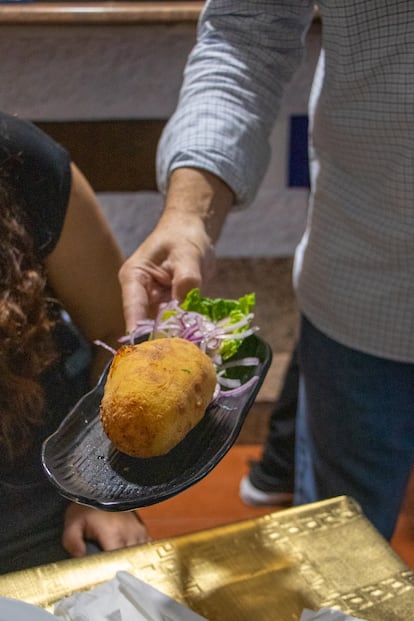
column 115, row 156
column 100, row 13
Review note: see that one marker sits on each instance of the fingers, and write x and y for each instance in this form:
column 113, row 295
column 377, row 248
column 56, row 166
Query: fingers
column 166, row 266
column 115, row 531
column 72, row 539
column 111, row 531
column 144, row 285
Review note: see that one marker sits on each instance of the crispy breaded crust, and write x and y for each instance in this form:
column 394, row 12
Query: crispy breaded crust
column 155, row 393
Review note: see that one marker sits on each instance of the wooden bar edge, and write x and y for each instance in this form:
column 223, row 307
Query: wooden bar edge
column 99, row 13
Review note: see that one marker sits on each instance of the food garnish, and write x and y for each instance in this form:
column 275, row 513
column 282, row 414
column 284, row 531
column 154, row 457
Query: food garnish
column 217, row 326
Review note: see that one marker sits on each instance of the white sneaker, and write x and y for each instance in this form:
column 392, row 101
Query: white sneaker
column 255, row 497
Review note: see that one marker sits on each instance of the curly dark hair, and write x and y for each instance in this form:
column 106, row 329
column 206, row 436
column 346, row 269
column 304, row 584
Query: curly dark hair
column 26, row 343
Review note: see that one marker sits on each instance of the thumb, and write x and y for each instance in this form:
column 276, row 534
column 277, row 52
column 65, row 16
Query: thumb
column 192, row 272
column 183, row 283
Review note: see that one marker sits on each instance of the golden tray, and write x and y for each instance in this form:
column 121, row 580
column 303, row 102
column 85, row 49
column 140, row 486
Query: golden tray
column 325, row 554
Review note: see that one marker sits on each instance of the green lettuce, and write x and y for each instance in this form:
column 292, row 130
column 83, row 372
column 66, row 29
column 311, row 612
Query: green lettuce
column 217, row 309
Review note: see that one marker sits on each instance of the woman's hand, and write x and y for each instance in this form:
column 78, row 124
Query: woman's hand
column 110, row 531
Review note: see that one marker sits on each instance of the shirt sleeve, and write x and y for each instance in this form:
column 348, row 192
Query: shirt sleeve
column 234, row 79
column 38, row 170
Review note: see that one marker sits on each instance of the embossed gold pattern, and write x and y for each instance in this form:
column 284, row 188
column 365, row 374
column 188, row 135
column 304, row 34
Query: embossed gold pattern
column 325, row 554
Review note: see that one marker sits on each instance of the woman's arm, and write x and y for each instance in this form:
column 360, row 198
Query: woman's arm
column 83, row 271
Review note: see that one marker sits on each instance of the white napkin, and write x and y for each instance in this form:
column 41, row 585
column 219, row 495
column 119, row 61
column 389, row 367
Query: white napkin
column 326, row 614
column 124, row 598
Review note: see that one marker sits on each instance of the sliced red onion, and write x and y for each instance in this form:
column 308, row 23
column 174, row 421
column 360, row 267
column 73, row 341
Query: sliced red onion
column 105, row 346
column 240, row 389
column 243, row 362
column 204, row 333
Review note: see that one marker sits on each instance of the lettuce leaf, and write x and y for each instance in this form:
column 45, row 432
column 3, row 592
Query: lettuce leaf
column 217, row 309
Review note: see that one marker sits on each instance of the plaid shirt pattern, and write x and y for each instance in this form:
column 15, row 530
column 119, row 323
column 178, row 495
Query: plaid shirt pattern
column 354, row 268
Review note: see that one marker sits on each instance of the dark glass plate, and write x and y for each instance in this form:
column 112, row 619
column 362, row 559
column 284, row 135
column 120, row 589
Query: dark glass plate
column 81, row 462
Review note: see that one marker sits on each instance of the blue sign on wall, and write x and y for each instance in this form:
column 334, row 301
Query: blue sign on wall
column 298, row 160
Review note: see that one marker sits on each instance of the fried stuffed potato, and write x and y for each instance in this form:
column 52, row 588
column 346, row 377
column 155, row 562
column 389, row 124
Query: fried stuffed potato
column 155, row 393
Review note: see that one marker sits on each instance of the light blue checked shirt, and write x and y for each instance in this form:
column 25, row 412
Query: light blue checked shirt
column 354, row 268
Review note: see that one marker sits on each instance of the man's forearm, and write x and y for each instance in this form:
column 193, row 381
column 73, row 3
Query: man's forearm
column 195, row 192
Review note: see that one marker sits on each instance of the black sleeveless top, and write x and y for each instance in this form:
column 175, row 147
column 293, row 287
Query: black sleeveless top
column 38, row 169
column 32, row 511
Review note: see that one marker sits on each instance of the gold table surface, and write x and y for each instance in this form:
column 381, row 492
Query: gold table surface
column 325, row 554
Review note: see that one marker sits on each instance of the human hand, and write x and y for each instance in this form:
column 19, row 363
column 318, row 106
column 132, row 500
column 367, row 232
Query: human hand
column 179, row 254
column 166, row 266
column 110, row 530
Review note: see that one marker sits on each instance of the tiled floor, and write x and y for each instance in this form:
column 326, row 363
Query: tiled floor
column 215, row 501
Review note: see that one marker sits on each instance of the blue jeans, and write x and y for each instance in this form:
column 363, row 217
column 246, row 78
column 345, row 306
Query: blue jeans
column 355, row 427
column 275, row 471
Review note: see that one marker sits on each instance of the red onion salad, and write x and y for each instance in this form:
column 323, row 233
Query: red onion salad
column 218, row 331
